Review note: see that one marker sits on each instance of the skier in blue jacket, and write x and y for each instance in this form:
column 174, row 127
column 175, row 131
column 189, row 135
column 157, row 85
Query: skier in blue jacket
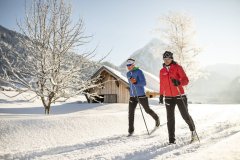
column 137, row 82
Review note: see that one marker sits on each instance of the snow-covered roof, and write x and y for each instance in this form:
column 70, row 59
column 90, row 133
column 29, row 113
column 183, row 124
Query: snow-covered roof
column 152, row 81
column 118, row 75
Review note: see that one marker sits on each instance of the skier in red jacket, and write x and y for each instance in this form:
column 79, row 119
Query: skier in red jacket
column 172, row 78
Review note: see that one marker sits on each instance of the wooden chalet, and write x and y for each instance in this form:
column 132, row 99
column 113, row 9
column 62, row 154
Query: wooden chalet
column 114, row 88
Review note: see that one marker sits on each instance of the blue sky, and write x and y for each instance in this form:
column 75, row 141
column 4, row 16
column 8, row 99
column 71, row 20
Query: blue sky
column 125, row 26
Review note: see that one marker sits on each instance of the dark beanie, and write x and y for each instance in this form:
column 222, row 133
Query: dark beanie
column 168, row 54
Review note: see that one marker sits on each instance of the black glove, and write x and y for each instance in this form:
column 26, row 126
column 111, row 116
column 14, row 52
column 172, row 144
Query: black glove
column 161, row 99
column 176, row 82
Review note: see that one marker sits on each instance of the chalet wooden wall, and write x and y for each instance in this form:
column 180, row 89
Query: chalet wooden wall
column 111, row 87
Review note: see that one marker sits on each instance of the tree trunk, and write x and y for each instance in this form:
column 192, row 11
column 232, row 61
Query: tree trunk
column 46, row 105
column 47, row 109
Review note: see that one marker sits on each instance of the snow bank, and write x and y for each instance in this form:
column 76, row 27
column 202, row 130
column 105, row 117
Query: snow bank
column 77, row 130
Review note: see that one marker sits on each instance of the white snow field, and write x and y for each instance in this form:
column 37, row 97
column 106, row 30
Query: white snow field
column 76, row 130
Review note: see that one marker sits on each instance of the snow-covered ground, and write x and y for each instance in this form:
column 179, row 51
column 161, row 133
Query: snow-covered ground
column 77, row 130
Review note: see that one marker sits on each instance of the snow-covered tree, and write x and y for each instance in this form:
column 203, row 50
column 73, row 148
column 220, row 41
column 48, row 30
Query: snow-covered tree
column 178, row 33
column 49, row 66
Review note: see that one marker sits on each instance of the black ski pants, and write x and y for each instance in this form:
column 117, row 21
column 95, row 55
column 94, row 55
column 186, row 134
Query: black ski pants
column 133, row 101
column 170, row 103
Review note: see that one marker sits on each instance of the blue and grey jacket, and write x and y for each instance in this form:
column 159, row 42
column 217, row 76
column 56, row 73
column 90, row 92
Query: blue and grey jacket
column 136, row 89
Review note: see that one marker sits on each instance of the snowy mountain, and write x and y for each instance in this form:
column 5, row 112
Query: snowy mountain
column 149, row 58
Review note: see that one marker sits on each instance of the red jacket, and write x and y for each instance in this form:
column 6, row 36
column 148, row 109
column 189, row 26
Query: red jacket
column 166, row 86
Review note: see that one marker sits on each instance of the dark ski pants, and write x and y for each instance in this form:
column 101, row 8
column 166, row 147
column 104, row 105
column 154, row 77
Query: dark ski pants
column 170, row 103
column 133, row 101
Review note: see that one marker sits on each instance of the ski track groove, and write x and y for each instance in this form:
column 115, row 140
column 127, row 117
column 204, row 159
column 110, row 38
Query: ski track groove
column 148, row 151
column 165, row 149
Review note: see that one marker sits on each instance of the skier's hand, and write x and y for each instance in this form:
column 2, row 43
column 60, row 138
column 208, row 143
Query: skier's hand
column 161, row 99
column 133, row 80
column 176, row 82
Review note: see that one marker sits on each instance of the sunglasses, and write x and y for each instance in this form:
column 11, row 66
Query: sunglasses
column 166, row 59
column 128, row 65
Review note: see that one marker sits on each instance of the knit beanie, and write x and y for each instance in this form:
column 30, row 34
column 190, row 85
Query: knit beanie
column 168, row 54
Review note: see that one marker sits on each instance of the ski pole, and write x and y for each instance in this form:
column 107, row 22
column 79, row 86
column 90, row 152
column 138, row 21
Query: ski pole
column 140, row 107
column 184, row 104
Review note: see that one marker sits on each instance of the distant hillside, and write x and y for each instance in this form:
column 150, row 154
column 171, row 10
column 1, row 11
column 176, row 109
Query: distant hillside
column 220, row 85
column 12, row 41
